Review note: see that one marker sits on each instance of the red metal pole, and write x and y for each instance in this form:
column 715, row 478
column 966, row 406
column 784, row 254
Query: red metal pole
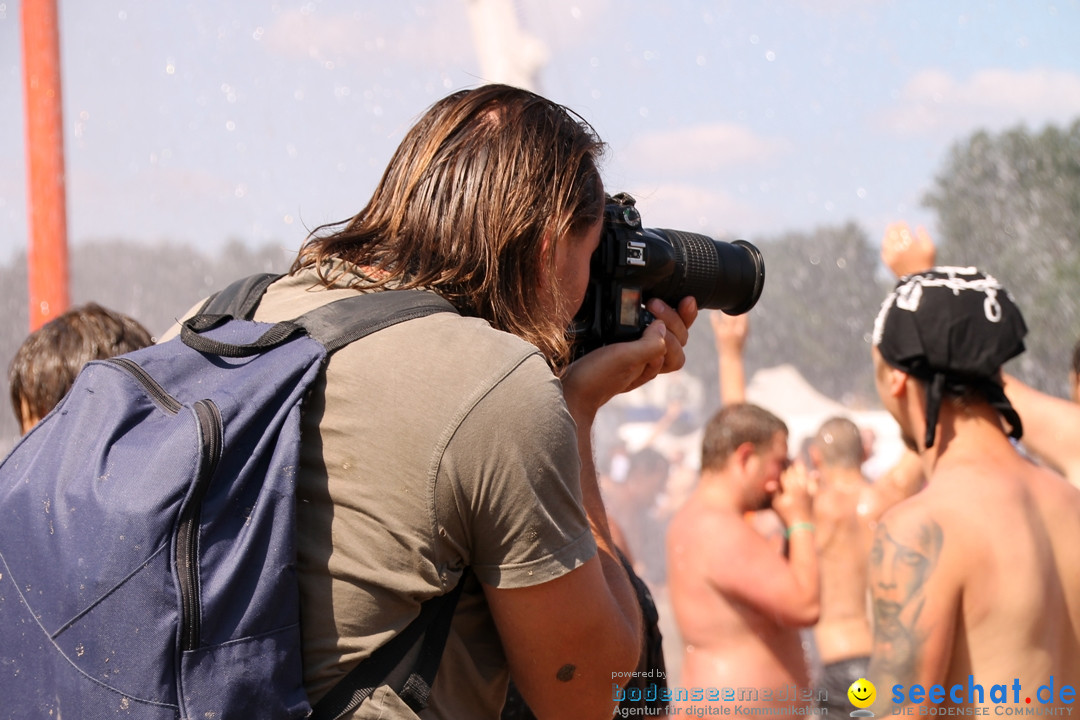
column 47, row 252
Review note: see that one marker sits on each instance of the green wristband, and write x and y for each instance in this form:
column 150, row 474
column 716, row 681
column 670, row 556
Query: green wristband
column 808, row 526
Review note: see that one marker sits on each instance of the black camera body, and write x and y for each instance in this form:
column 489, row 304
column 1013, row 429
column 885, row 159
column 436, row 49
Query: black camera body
column 633, row 264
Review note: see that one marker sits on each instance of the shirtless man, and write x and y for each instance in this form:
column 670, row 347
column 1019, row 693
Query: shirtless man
column 842, row 503
column 975, row 580
column 737, row 602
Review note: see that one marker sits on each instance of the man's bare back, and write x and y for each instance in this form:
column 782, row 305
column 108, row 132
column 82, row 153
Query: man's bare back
column 844, row 537
column 975, row 580
column 846, row 505
column 979, row 575
column 846, row 511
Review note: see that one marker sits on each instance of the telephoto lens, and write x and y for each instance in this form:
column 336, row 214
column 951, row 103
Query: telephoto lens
column 719, row 275
column 633, row 264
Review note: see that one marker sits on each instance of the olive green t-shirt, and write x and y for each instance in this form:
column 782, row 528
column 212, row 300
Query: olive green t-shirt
column 429, row 446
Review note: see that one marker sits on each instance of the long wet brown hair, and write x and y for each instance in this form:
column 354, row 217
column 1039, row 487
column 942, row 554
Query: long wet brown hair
column 470, row 206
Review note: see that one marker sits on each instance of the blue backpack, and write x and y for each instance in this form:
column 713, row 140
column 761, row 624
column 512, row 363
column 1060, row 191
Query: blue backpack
column 147, row 552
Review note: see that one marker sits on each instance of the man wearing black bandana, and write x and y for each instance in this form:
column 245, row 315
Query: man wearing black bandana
column 975, row 580
column 1051, row 423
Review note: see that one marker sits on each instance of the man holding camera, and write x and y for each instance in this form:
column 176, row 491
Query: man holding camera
column 455, row 442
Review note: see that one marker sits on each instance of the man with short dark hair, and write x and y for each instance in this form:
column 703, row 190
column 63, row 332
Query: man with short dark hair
column 975, row 579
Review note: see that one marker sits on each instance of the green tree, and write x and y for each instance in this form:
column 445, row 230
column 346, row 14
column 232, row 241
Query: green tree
column 1010, row 204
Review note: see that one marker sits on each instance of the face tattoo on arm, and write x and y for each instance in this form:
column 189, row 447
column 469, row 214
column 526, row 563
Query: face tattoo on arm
column 899, row 569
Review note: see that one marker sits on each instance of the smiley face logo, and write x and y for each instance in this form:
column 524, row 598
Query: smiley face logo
column 862, row 693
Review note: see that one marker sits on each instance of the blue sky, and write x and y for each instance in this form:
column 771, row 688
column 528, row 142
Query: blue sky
column 202, row 121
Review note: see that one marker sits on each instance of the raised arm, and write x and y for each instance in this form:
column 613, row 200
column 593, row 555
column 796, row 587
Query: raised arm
column 730, row 333
column 905, row 251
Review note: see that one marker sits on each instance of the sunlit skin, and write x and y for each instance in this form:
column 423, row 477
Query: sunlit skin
column 572, row 256
column 762, row 488
column 903, row 571
column 739, row 611
column 975, row 574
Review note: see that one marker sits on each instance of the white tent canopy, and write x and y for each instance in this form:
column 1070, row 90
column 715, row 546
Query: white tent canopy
column 785, row 392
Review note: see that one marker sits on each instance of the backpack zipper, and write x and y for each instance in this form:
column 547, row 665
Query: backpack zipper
column 208, row 418
column 157, row 393
column 187, row 534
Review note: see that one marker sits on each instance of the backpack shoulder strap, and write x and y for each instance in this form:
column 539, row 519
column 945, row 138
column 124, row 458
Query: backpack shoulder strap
column 335, row 324
column 341, row 322
column 240, row 298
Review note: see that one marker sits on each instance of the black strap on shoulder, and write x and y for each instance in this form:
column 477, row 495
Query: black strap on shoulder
column 335, row 324
column 239, row 299
column 429, row 629
column 341, row 322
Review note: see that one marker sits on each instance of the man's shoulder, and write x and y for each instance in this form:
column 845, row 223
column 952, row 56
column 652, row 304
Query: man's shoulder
column 955, row 502
column 917, row 516
column 1055, row 492
column 965, row 488
column 697, row 516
